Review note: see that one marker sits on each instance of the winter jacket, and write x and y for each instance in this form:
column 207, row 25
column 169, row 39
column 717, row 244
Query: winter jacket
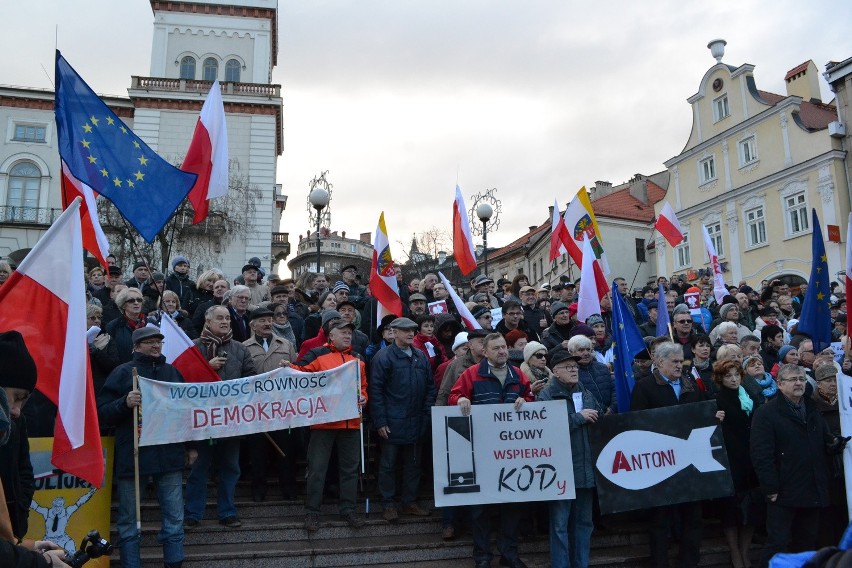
column 554, row 335
column 122, row 335
column 181, row 285
column 451, row 376
column 239, row 325
column 269, row 360
column 480, row 386
column 13, row 556
column 533, row 317
column 113, row 411
column 655, row 392
column 402, row 393
column 523, row 325
column 581, row 447
column 789, row 454
column 438, row 355
column 598, row 380
column 239, row 363
column 16, row 474
column 328, row 357
column 180, row 317
column 317, row 341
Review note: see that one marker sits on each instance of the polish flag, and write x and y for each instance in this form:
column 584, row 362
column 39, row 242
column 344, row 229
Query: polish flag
column 668, row 225
column 467, row 317
column 94, row 239
column 558, row 233
column 719, row 289
column 49, row 282
column 849, row 272
column 181, row 353
column 588, row 303
column 462, row 239
column 207, row 155
column 382, row 282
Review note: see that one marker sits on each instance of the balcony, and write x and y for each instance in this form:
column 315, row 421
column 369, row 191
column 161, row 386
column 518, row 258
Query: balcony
column 195, row 86
column 280, row 246
column 280, row 197
column 41, row 217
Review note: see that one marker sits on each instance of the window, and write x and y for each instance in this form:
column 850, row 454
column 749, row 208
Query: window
column 748, row 151
column 707, row 169
column 755, row 227
column 796, row 208
column 715, row 232
column 535, row 272
column 211, row 69
column 187, row 67
column 640, row 250
column 353, row 248
column 720, row 108
column 22, row 198
column 232, row 70
column 681, row 258
column 29, row 133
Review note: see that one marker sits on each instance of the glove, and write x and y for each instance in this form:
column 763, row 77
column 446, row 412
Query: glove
column 838, row 445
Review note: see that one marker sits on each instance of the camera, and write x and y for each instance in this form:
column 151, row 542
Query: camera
column 93, row 546
column 223, row 354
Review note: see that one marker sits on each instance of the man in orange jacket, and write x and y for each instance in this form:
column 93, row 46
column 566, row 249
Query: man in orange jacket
column 345, row 434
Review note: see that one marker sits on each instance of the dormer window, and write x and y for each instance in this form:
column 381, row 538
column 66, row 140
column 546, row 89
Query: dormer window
column 720, row 108
column 232, row 71
column 187, row 67
column 211, row 69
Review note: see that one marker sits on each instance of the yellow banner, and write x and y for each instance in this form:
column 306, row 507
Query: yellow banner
column 65, row 508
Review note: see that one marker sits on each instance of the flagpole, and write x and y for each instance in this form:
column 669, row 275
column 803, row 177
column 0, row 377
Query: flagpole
column 653, row 229
column 136, row 455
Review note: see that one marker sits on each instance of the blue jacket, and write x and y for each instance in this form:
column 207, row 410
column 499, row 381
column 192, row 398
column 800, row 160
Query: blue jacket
column 598, row 381
column 402, row 393
column 581, row 447
column 113, row 411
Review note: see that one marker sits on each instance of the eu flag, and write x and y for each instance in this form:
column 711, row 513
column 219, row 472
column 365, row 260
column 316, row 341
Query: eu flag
column 663, row 319
column 815, row 320
column 627, row 342
column 102, row 152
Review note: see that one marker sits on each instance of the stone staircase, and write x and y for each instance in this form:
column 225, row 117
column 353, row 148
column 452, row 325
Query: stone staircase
column 272, row 535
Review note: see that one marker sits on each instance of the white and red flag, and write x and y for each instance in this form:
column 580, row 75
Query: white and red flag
column 719, row 289
column 49, row 283
column 668, row 225
column 207, row 155
column 588, row 302
column 462, row 240
column 558, row 233
column 849, row 271
column 383, row 285
column 182, row 354
column 580, row 224
column 467, row 317
column 94, row 239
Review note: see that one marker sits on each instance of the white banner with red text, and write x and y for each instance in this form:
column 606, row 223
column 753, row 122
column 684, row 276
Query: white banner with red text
column 280, row 399
column 501, row 455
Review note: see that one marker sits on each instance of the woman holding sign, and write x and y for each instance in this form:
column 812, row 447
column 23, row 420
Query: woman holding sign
column 571, row 520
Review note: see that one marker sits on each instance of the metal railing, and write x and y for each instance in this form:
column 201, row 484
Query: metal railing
column 28, row 215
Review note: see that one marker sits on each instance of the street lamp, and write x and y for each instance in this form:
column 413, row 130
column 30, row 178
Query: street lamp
column 319, row 199
column 484, row 212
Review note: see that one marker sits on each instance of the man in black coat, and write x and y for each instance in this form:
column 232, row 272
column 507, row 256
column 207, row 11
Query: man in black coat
column 117, row 402
column 789, row 440
column 666, row 387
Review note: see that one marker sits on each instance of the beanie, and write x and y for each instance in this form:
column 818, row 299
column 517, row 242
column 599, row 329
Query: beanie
column 179, row 259
column 723, row 311
column 785, row 349
column 582, row 329
column 532, row 348
column 594, row 320
column 19, row 369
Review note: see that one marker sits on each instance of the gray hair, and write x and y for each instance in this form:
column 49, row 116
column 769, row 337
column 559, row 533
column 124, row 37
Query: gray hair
column 680, row 309
column 726, row 350
column 124, row 296
column 208, row 315
column 789, row 369
column 240, row 288
column 579, row 342
column 726, row 326
column 667, row 349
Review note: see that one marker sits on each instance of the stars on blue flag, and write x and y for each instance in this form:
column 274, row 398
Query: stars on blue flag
column 815, row 320
column 102, row 152
column 627, row 342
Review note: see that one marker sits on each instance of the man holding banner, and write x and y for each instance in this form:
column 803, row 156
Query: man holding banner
column 117, row 402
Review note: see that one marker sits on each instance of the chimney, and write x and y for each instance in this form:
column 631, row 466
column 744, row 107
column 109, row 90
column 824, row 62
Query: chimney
column 601, row 189
column 533, row 228
column 803, row 81
column 550, row 211
column 366, row 238
column 343, row 234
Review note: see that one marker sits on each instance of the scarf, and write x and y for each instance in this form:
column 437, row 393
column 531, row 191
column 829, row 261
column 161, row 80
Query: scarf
column 212, row 342
column 139, row 322
column 285, row 331
column 746, row 403
column 830, row 401
column 767, row 383
column 540, row 374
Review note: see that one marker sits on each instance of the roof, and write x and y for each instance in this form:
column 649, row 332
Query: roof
column 622, row 205
column 796, row 70
column 520, row 241
column 813, row 115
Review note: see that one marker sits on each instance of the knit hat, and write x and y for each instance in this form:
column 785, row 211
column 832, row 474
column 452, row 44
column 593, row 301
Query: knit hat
column 770, row 331
column 582, row 329
column 728, row 299
column 557, row 307
column 461, row 339
column 513, row 336
column 179, row 259
column 479, row 311
column 339, row 285
column 19, row 368
column 532, row 348
column 572, row 309
column 594, row 320
column 329, row 315
column 749, row 359
column 785, row 349
column 158, row 277
column 723, row 311
column 139, row 264
column 680, row 309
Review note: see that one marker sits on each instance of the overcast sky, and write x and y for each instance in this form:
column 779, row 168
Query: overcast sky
column 396, row 98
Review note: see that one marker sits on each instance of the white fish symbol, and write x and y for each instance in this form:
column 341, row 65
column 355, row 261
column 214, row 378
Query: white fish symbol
column 638, row 459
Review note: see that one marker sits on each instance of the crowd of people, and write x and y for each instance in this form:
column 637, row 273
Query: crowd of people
column 776, row 398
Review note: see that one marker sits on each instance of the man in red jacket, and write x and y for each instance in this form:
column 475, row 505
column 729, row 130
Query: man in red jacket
column 493, row 381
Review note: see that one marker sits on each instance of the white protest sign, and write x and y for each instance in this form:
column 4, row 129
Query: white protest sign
column 499, row 455
column 844, row 400
column 496, row 317
column 284, row 398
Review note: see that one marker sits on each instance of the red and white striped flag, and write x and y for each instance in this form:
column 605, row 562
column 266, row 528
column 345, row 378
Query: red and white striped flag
column 467, row 317
column 382, row 283
column 668, row 225
column 588, row 302
column 50, row 283
column 182, row 354
column 207, row 155
column 558, row 233
column 462, row 240
column 94, row 239
column 719, row 289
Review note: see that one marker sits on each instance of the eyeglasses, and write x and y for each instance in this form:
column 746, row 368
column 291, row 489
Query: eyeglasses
column 486, row 316
column 280, row 314
column 569, row 368
column 539, row 355
column 134, row 301
column 683, row 321
column 795, row 380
